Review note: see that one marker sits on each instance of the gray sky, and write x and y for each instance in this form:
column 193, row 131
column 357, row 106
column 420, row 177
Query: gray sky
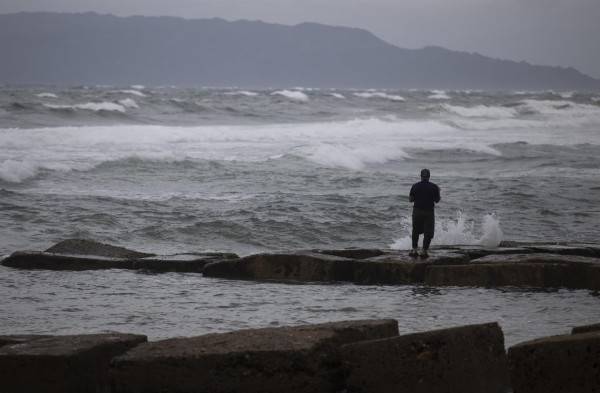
column 550, row 32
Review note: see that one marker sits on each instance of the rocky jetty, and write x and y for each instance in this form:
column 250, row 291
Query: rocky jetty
column 558, row 364
column 347, row 356
column 81, row 254
column 62, row 364
column 538, row 265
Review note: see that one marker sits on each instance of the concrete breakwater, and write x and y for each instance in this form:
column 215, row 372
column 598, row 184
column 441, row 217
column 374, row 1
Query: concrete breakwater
column 575, row 266
column 348, row 356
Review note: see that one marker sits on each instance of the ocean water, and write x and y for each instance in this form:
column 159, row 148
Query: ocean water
column 166, row 169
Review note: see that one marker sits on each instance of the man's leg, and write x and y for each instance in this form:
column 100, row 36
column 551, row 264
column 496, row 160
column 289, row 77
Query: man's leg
column 429, row 227
column 427, row 240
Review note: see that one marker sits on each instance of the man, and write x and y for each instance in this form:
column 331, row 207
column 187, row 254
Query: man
column 425, row 195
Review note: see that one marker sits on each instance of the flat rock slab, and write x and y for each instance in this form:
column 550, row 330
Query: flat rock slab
column 468, row 359
column 538, row 258
column 19, row 338
column 295, row 359
column 91, row 247
column 474, row 252
column 62, row 364
column 401, row 269
column 586, row 329
column 353, row 253
column 188, row 263
column 521, row 270
column 390, row 268
column 51, row 261
column 559, row 364
column 309, row 267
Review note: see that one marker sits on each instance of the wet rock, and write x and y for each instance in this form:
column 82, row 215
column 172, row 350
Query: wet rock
column 189, row 263
column 19, row 338
column 399, row 268
column 522, row 270
column 474, row 252
column 463, row 359
column 283, row 266
column 559, row 364
column 296, row 359
column 91, row 247
column 49, row 261
column 353, row 253
column 583, row 251
column 586, row 329
column 62, row 364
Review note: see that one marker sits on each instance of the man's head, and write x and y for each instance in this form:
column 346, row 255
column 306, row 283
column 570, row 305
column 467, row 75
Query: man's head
column 425, row 174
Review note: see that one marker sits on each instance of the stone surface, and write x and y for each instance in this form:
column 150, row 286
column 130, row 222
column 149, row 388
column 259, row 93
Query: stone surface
column 19, row 338
column 399, row 268
column 586, row 329
column 190, row 263
column 522, row 270
column 353, row 253
column 577, row 250
column 49, row 261
column 62, row 364
column 559, row 364
column 463, row 359
column 91, row 247
column 293, row 266
column 292, row 359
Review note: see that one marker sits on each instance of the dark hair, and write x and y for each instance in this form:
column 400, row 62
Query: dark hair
column 425, row 173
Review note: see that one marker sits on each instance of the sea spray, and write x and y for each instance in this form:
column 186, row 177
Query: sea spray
column 459, row 231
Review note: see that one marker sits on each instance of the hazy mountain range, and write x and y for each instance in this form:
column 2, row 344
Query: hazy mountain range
column 53, row 48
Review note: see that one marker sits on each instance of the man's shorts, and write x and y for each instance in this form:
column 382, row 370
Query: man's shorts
column 423, row 221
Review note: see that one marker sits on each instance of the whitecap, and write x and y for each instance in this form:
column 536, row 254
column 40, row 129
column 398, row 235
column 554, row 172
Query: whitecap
column 376, row 94
column 438, row 95
column 291, row 94
column 92, row 106
column 133, row 92
column 244, row 93
column 138, row 87
column 46, row 95
column 129, row 103
column 337, row 95
column 481, row 111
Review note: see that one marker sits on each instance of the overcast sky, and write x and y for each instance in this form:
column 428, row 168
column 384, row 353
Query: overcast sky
column 549, row 32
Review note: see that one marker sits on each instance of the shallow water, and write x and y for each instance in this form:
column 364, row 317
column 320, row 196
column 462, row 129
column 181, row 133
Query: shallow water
column 170, row 305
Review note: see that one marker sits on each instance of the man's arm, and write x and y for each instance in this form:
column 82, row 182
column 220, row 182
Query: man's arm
column 411, row 195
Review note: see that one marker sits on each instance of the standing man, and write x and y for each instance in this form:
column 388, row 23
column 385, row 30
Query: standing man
column 425, row 195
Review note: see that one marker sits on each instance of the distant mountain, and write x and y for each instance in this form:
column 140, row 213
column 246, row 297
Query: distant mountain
column 52, row 48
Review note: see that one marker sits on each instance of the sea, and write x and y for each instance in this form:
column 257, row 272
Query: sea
column 168, row 169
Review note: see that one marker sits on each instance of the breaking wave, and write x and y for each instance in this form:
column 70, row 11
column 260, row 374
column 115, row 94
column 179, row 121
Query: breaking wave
column 244, row 93
column 91, row 106
column 46, row 95
column 133, row 92
column 481, row 111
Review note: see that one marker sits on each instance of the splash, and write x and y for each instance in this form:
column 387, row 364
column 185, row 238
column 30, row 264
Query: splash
column 292, row 95
column 460, row 231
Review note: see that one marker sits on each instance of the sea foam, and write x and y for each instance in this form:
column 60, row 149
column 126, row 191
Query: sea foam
column 133, row 92
column 481, row 111
column 458, row 231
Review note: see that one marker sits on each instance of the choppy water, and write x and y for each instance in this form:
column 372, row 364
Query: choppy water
column 169, row 169
column 169, row 305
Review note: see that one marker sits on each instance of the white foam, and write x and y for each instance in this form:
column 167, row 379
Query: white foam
column 245, row 93
column 595, row 99
column 291, row 94
column 560, row 108
column 454, row 232
column 92, row 106
column 138, row 87
column 337, row 95
column 481, row 111
column 46, row 95
column 133, row 92
column 438, row 95
column 128, row 103
column 567, row 94
column 377, row 94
